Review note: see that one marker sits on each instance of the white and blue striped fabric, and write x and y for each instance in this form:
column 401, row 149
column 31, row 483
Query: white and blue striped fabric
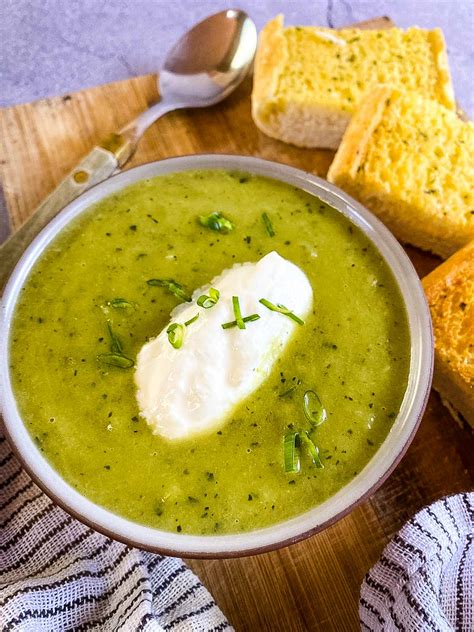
column 425, row 577
column 57, row 574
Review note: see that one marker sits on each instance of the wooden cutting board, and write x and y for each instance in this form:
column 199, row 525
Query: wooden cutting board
column 313, row 585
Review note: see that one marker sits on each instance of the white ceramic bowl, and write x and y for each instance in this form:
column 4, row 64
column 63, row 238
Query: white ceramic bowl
column 364, row 484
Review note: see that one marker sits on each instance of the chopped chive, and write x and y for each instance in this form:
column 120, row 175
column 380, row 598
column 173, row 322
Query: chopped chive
column 281, row 309
column 292, row 459
column 237, row 312
column 268, row 225
column 209, row 300
column 115, row 359
column 176, row 334
column 191, row 320
column 246, row 319
column 312, row 449
column 314, row 411
column 115, row 343
column 172, row 286
column 116, row 356
column 251, row 318
column 120, row 303
column 216, row 221
column 178, row 291
column 289, row 391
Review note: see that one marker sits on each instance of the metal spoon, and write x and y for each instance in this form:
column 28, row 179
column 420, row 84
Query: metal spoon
column 203, row 68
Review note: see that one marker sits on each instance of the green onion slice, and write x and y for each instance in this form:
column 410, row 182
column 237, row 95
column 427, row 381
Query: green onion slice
column 246, row 319
column 216, row 221
column 176, row 334
column 292, row 459
column 281, row 309
column 209, row 300
column 268, row 225
column 120, row 303
column 290, row 390
column 312, row 449
column 115, row 359
column 172, row 286
column 314, row 411
column 191, row 320
column 237, row 313
column 115, row 342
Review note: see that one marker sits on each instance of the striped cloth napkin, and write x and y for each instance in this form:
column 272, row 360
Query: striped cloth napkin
column 57, row 574
column 425, row 577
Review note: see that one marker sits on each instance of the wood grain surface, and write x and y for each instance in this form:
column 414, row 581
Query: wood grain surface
column 313, row 585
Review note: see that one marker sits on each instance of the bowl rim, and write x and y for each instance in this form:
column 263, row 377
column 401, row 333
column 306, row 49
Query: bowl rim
column 375, row 472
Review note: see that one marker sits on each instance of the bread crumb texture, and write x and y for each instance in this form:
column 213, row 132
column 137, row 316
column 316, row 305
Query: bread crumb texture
column 338, row 75
column 450, row 293
column 309, row 80
column 411, row 161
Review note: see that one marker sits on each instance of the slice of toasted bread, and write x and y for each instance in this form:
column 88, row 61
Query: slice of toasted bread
column 308, row 81
column 450, row 293
column 411, row 161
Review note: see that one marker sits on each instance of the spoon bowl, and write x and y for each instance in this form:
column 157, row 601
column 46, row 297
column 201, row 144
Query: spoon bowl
column 210, row 60
column 201, row 69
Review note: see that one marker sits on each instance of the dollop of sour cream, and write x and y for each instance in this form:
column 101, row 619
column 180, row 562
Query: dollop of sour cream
column 187, row 391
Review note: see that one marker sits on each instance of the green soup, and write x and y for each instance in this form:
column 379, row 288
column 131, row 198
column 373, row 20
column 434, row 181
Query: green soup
column 354, row 351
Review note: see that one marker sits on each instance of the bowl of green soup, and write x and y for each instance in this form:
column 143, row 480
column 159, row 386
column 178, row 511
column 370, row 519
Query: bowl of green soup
column 213, row 356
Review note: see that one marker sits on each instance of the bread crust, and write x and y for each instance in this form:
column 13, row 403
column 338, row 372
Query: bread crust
column 353, row 148
column 270, row 60
column 445, row 84
column 450, row 293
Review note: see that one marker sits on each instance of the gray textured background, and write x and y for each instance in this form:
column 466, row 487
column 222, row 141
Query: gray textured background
column 49, row 47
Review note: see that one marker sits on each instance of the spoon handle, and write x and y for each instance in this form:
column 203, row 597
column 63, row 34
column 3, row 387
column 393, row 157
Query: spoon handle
column 98, row 165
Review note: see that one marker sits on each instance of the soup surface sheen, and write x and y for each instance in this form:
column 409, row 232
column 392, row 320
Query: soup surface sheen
column 354, row 351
